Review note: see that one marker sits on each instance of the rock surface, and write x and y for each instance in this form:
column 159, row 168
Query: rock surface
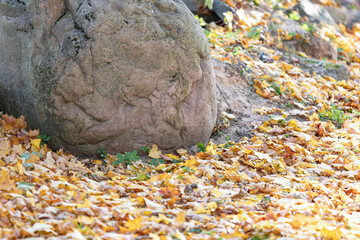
column 237, row 96
column 348, row 17
column 122, row 74
column 315, row 47
column 193, row 5
column 320, row 67
column 315, row 12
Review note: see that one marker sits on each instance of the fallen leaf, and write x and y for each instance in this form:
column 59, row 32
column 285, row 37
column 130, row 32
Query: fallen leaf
column 155, row 152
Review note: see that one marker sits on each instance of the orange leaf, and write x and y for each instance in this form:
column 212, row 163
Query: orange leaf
column 6, row 184
column 133, row 225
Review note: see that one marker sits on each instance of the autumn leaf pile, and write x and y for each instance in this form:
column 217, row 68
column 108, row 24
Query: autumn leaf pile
column 297, row 177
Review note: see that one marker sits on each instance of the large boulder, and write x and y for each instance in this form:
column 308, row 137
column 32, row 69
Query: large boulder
column 118, row 73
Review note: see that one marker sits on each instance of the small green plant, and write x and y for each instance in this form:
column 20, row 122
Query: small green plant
column 308, row 27
column 267, row 199
column 200, row 20
column 44, row 138
column 354, row 112
column 254, row 33
column 293, row 34
column 188, row 170
column 103, row 153
column 289, row 105
column 156, row 161
column 145, row 149
column 228, row 143
column 276, row 88
column 176, row 160
column 335, row 115
column 201, row 147
column 340, row 50
column 294, row 16
column 127, row 158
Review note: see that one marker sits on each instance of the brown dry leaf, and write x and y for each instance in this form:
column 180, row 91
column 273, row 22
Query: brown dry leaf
column 4, row 147
column 34, row 133
column 34, row 158
column 6, row 184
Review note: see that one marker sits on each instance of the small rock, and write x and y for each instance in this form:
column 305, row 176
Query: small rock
column 190, row 188
column 265, row 58
column 220, row 8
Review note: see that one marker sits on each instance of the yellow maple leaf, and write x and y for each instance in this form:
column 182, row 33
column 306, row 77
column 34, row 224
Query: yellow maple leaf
column 172, row 156
column 300, row 219
column 161, row 167
column 154, row 152
column 293, row 125
column 141, row 201
column 200, row 210
column 329, row 233
column 154, row 236
column 133, row 225
column 20, row 168
column 180, row 218
column 212, row 206
column 85, row 204
column 191, row 163
column 111, row 174
column 302, row 54
column 163, row 218
column 217, row 193
column 211, row 148
column 314, row 117
column 35, row 143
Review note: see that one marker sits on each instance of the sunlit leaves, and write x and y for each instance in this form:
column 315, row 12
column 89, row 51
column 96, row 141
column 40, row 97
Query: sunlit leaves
column 297, row 175
column 6, row 184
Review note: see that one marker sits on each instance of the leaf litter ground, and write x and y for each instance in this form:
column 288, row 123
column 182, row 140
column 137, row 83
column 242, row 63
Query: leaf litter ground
column 292, row 180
